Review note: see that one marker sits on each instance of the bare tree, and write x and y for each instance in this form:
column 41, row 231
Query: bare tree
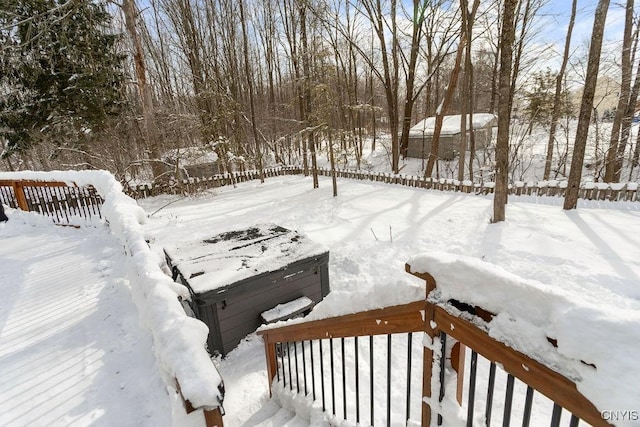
column 247, row 70
column 586, row 106
column 390, row 63
column 151, row 132
column 613, row 157
column 505, row 94
column 557, row 100
column 443, row 107
column 467, row 98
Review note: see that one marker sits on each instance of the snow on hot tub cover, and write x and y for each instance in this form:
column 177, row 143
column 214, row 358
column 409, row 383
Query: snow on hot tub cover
column 231, row 256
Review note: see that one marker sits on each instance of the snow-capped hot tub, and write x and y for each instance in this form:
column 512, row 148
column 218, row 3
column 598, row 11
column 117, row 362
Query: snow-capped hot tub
column 235, row 276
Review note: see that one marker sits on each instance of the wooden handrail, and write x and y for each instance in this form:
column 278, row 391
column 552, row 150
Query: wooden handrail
column 389, row 320
column 402, row 318
column 539, row 377
column 434, row 319
column 552, row 384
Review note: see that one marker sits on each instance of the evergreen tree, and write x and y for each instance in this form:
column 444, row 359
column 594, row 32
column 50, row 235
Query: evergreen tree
column 540, row 99
column 60, row 75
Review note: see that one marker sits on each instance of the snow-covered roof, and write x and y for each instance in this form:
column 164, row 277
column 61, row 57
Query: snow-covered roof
column 190, row 156
column 451, row 124
column 231, row 256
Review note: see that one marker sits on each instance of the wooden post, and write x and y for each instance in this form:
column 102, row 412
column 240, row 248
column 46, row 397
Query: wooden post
column 213, row 418
column 457, row 362
column 433, row 331
column 18, row 190
column 270, row 353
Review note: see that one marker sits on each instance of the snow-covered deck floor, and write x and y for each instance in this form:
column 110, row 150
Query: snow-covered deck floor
column 72, row 351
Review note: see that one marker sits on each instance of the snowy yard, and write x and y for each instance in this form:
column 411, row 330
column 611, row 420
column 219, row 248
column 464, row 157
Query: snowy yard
column 72, row 349
column 373, row 229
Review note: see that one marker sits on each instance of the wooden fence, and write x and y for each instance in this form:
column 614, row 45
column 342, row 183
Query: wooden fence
column 56, row 200
column 195, row 185
column 297, row 354
column 588, row 191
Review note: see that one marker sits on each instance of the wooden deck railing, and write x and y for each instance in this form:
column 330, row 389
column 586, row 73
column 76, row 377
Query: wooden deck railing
column 295, row 355
column 61, row 202
column 212, row 417
column 56, row 200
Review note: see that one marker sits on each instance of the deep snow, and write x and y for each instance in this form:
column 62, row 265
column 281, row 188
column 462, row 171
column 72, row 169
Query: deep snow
column 590, row 256
column 72, row 350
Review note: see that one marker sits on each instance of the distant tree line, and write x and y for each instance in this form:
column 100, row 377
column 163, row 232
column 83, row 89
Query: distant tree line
column 97, row 84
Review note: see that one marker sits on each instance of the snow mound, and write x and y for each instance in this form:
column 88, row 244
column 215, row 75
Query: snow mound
column 529, row 311
column 178, row 339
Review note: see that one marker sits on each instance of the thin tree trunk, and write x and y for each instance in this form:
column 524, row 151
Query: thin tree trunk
column 333, row 165
column 416, row 35
column 146, row 100
column 627, row 118
column 586, row 106
column 611, row 173
column 443, row 107
column 507, row 37
column 466, row 92
column 636, row 157
column 558, row 95
column 470, row 87
column 247, row 70
column 306, row 66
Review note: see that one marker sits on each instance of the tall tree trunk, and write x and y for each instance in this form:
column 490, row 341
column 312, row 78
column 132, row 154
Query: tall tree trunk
column 306, row 66
column 146, row 99
column 611, row 173
column 586, row 106
column 636, row 157
column 495, row 69
column 466, row 93
column 507, row 37
column 444, row 106
column 247, row 70
column 627, row 117
column 389, row 77
column 419, row 9
column 332, row 161
column 557, row 99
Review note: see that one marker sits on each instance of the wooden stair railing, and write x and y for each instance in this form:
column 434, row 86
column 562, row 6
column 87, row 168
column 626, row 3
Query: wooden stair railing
column 407, row 318
column 439, row 324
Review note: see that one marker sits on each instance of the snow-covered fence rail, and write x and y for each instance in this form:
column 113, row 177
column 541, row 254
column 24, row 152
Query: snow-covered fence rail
column 179, row 340
column 193, row 185
column 58, row 200
column 588, row 191
column 352, row 365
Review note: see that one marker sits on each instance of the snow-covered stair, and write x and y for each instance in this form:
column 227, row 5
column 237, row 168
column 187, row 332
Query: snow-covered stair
column 272, row 415
column 284, row 418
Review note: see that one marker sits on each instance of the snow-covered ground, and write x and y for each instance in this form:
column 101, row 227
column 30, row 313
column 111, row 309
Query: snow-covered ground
column 72, row 351
column 371, row 230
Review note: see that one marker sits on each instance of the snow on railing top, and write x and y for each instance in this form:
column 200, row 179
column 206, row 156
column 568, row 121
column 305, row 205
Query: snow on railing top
column 553, row 188
column 178, row 339
column 529, row 312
